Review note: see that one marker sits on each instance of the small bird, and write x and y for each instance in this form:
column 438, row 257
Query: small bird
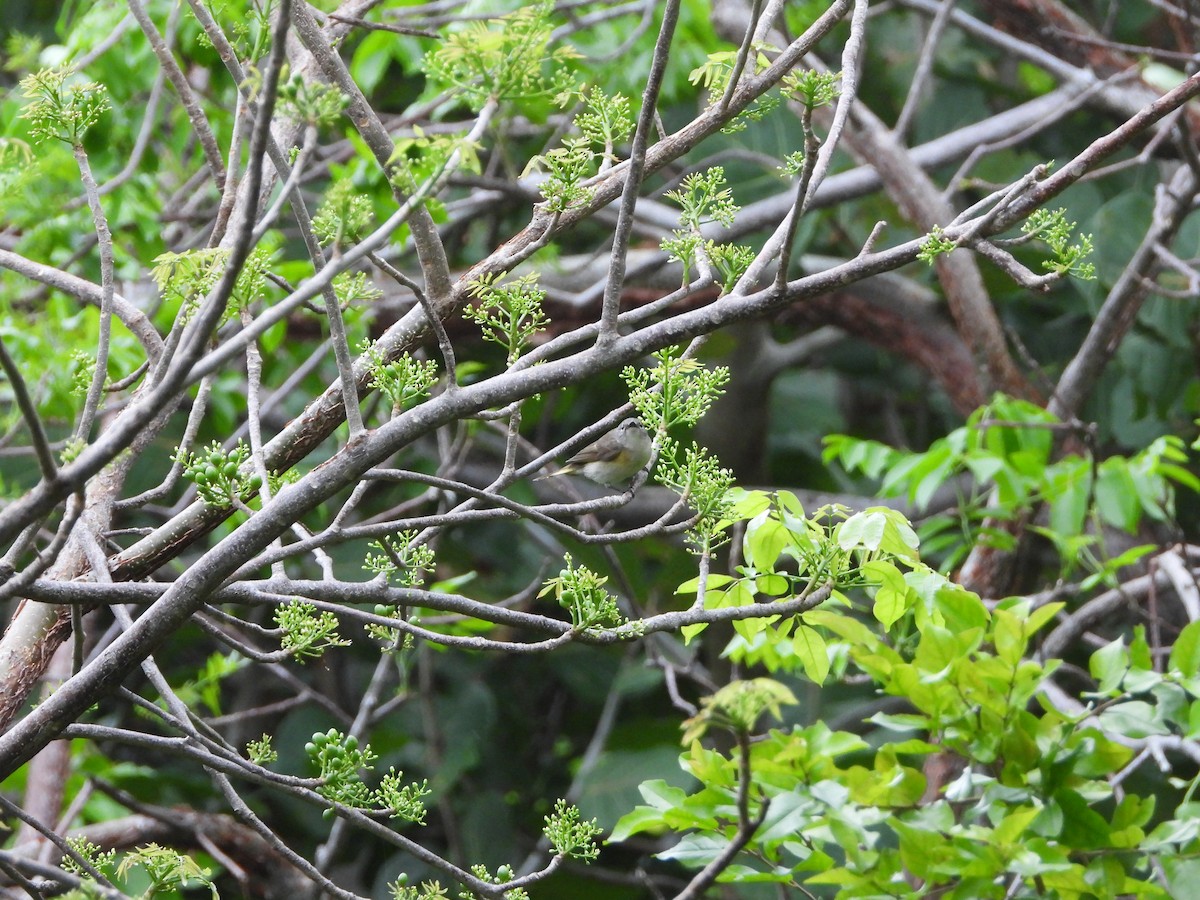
column 612, row 460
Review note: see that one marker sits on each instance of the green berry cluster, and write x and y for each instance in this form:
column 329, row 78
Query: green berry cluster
column 341, row 762
column 339, row 759
column 218, row 474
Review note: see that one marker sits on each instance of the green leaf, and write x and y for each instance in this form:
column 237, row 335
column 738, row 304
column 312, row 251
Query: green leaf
column 1133, row 719
column 1127, row 820
column 810, row 649
column 1014, row 825
column 1096, row 755
column 642, row 818
column 1183, row 874
column 1109, row 664
column 765, row 539
column 1140, row 655
column 898, row 478
column 696, row 850
column 1179, row 475
column 738, row 595
column 861, row 532
column 749, row 628
column 786, row 815
column 892, row 596
column 371, row 59
column 900, row 721
column 879, row 529
column 789, row 503
column 1083, row 827
column 1174, row 833
column 1040, row 616
column 985, row 468
column 938, row 651
column 713, row 581
column 1068, row 485
column 848, row 629
column 1193, row 730
column 1185, row 654
column 1106, row 875
column 1008, row 634
column 739, row 874
column 660, row 795
column 961, row 610
column 930, row 472
column 772, row 585
column 748, row 504
column 1117, row 495
column 889, row 605
column 914, row 746
column 857, row 455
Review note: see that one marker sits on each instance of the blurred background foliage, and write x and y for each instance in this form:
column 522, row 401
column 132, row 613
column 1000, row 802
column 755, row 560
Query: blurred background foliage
column 498, row 736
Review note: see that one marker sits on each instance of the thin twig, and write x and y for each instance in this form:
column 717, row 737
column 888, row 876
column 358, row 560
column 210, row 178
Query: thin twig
column 633, row 177
column 916, row 87
column 743, row 54
column 435, row 322
column 103, row 342
column 15, row 585
column 204, row 134
column 851, row 52
column 37, row 433
column 747, row 826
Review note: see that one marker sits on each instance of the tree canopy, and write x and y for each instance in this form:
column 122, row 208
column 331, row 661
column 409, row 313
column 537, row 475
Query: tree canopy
column 299, row 300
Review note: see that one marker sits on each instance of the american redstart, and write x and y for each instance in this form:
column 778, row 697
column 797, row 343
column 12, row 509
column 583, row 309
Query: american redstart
column 612, row 460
